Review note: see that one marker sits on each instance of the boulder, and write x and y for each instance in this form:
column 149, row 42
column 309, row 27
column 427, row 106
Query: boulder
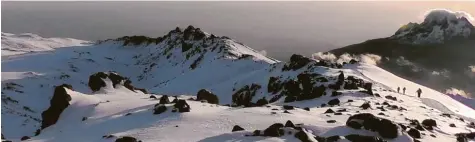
column 126, row 139
column 384, row 127
column 329, row 111
column 204, row 94
column 24, row 138
column 414, row 133
column 287, row 107
column 331, row 121
column 159, row 109
column 261, row 102
column 182, row 106
column 289, row 124
column 306, row 108
column 152, row 97
column 237, row 128
column 334, row 102
column 429, row 124
column 365, row 105
column 360, row 138
column 275, row 130
column 164, row 100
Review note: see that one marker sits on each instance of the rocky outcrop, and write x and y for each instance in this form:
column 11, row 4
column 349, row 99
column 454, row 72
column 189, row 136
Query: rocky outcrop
column 244, row 95
column 97, row 81
column 296, row 62
column 58, row 103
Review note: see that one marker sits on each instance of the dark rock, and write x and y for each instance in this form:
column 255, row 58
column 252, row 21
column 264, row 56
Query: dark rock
column 381, row 113
column 285, row 111
column 414, row 133
column 96, row 81
column 365, row 105
column 24, row 138
column 126, row 139
column 287, row 107
column 377, row 95
column 341, row 110
column 446, row 115
column 331, row 121
column 331, row 139
column 336, row 93
column 164, row 100
column 416, row 124
column 384, row 127
column 350, row 101
column 296, row 62
column 237, row 128
column 338, row 113
column 334, row 102
column 389, row 97
column 58, row 103
column 289, row 124
column 289, row 99
column 182, row 106
column 452, row 125
column 302, row 136
column 261, row 102
column 256, row 133
column 108, row 136
column 275, row 130
column 329, row 111
column 432, row 135
column 429, row 124
column 360, row 138
column 244, row 95
column 152, row 97
column 204, row 94
column 159, row 109
column 306, row 108
column 84, row 118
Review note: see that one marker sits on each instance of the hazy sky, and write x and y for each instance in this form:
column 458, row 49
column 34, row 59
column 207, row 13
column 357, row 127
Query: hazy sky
column 280, row 28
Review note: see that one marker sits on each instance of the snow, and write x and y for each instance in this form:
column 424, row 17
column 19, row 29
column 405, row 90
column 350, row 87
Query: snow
column 223, row 70
column 27, row 42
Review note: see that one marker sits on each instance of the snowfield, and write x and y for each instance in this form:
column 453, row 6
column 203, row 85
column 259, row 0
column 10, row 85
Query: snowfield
column 182, row 63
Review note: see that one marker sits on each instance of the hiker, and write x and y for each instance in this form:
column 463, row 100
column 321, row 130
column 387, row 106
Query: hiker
column 419, row 91
column 398, row 89
column 404, row 90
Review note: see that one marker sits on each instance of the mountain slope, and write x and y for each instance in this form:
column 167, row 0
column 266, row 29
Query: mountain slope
column 185, row 61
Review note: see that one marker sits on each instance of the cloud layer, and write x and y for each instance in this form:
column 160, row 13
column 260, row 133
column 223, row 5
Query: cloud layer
column 363, row 58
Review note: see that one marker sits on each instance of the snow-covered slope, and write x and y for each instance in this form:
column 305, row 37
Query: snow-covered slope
column 438, row 26
column 182, row 63
column 13, row 44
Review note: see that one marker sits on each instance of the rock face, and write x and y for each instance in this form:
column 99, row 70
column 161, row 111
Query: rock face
column 58, row 103
column 204, row 94
column 384, row 127
column 96, row 81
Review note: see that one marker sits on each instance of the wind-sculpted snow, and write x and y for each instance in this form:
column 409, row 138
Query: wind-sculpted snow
column 239, row 86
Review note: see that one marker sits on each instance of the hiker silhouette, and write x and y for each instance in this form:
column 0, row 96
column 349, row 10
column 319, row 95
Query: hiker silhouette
column 419, row 92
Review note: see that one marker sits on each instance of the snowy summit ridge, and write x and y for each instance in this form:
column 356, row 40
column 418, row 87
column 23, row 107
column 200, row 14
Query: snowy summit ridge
column 189, row 85
column 439, row 26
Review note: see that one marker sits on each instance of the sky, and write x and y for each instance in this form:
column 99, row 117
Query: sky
column 279, row 28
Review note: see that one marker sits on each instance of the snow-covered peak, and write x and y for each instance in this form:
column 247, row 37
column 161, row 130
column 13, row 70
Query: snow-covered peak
column 14, row 44
column 438, row 26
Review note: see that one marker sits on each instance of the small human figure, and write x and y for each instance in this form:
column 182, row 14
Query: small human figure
column 419, row 92
column 398, row 89
column 404, row 90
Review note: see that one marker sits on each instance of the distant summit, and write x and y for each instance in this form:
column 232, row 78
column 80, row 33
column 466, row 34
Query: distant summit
column 438, row 26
